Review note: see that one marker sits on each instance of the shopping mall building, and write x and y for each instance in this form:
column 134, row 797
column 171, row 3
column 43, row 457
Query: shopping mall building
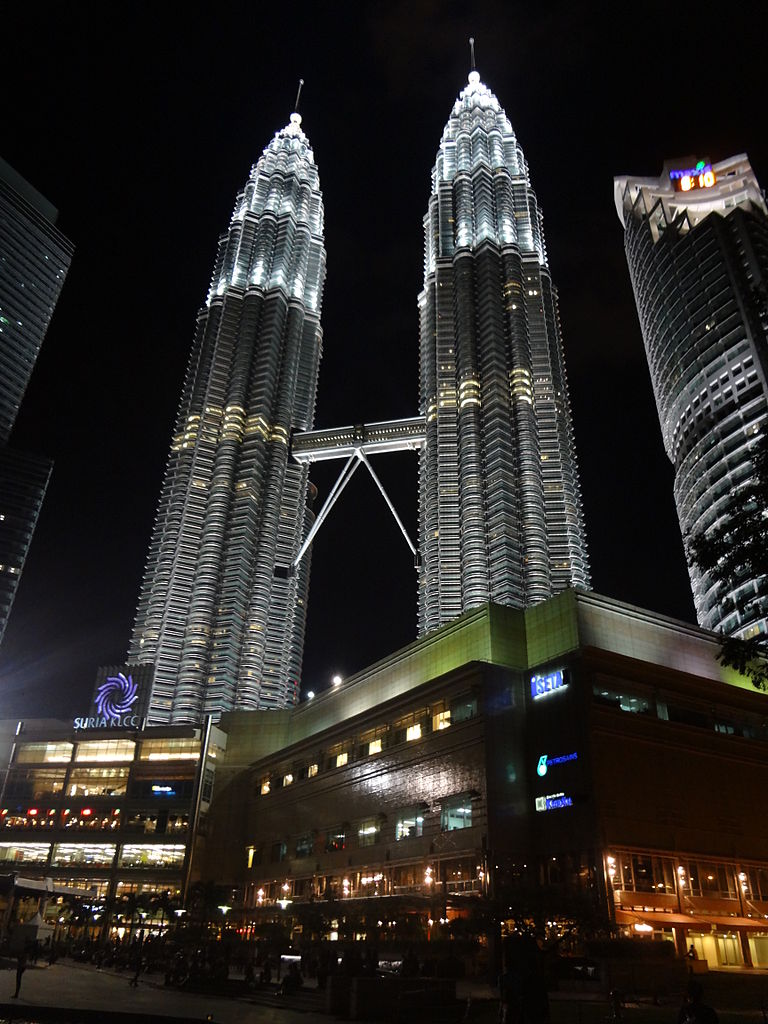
column 580, row 761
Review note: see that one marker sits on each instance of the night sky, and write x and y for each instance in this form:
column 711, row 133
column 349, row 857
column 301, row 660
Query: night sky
column 140, row 124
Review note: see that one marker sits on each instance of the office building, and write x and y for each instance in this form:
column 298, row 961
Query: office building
column 23, row 482
column 500, row 515
column 221, row 615
column 696, row 240
column 34, row 260
column 582, row 762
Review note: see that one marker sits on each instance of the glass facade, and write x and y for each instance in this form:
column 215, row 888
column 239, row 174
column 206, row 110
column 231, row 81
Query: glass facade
column 221, row 614
column 699, row 266
column 500, row 515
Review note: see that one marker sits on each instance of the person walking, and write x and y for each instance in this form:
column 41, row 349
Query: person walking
column 21, row 966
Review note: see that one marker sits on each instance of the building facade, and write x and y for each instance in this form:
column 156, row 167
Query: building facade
column 696, row 241
column 221, row 615
column 578, row 761
column 500, row 515
column 34, row 260
column 110, row 814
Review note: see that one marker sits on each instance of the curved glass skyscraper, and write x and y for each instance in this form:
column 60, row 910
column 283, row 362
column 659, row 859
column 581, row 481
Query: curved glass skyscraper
column 218, row 616
column 500, row 514
column 696, row 241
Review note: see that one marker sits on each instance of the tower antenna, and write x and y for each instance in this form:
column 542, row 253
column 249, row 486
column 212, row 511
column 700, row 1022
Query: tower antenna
column 298, row 96
column 472, row 52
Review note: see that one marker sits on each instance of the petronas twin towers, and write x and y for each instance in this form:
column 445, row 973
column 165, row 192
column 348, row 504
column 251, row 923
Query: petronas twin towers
column 222, row 608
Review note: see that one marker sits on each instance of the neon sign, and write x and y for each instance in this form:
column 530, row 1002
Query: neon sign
column 545, row 763
column 542, row 685
column 553, row 802
column 700, row 176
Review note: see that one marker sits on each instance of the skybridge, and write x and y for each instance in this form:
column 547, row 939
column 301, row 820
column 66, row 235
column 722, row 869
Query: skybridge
column 355, row 443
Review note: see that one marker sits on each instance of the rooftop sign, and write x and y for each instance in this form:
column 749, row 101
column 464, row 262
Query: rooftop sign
column 114, row 705
column 700, row 176
column 542, row 685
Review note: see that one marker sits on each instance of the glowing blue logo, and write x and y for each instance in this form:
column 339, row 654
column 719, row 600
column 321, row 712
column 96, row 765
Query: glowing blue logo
column 116, row 696
column 553, row 802
column 542, row 685
column 547, row 762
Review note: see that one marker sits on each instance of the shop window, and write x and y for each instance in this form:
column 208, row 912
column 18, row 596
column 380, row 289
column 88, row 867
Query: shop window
column 34, row 783
column 409, row 824
column 136, row 855
column 24, row 853
column 106, row 750
column 97, row 855
column 44, row 753
column 456, row 812
column 170, row 750
column 98, row 782
column 368, row 832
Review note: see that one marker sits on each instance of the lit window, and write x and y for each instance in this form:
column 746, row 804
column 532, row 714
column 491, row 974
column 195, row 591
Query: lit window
column 44, row 752
column 368, row 833
column 312, row 771
column 441, row 720
column 106, row 750
column 409, row 824
column 413, row 732
column 341, row 759
column 288, row 779
column 265, row 786
column 456, row 812
column 374, row 747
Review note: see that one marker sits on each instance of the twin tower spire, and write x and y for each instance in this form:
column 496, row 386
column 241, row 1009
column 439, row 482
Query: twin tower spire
column 222, row 611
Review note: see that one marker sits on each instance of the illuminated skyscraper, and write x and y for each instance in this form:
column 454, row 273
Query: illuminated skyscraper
column 696, row 241
column 34, row 260
column 223, row 625
column 500, row 513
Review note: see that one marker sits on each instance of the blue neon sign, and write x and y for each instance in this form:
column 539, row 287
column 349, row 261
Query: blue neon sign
column 553, row 802
column 542, row 685
column 545, row 762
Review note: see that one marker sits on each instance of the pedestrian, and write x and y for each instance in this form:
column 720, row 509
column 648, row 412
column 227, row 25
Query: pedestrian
column 694, row 1010
column 21, row 966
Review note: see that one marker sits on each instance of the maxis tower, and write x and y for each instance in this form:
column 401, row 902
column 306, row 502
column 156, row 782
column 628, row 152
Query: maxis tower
column 222, row 627
column 500, row 514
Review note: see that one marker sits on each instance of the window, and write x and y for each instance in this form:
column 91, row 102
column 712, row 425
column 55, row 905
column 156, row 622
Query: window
column 374, row 747
column 170, row 750
column 278, row 852
column 45, row 753
column 137, row 855
column 341, row 759
column 312, row 770
column 413, row 732
column 441, row 720
column 463, row 708
column 409, row 823
column 336, row 839
column 623, row 701
column 288, row 778
column 305, row 845
column 25, row 853
column 97, row 855
column 98, row 782
column 265, row 785
column 34, row 783
column 368, row 833
column 106, row 750
column 456, row 812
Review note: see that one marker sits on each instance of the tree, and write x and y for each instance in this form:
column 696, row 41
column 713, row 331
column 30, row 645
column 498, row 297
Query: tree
column 736, row 552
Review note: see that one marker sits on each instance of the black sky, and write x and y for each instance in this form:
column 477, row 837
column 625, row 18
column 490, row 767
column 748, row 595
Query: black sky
column 140, row 123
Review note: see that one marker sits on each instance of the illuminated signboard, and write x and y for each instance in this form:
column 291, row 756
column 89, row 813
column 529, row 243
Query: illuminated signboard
column 553, row 802
column 158, row 790
column 545, row 762
column 542, row 685
column 114, row 705
column 700, row 176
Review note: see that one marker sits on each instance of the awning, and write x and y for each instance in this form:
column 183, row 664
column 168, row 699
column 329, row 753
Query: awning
column 661, row 920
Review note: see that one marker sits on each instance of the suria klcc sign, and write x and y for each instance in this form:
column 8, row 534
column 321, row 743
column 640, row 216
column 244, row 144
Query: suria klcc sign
column 115, row 705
